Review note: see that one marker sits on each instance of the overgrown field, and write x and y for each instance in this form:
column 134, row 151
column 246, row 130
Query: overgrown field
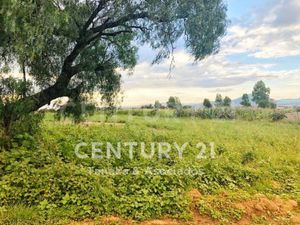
column 43, row 181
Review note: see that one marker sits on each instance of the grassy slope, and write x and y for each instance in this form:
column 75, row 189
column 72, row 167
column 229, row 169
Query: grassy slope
column 251, row 157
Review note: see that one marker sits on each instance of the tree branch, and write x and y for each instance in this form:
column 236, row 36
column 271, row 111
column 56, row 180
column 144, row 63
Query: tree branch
column 100, row 6
column 119, row 22
column 116, row 33
column 60, row 88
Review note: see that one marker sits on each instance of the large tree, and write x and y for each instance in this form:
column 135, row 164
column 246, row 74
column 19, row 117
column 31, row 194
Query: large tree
column 261, row 94
column 227, row 101
column 245, row 100
column 219, row 100
column 174, row 103
column 70, row 47
column 207, row 103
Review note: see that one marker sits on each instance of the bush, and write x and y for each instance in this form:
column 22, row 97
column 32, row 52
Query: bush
column 278, row 115
column 216, row 113
column 226, row 113
column 76, row 110
column 251, row 114
column 24, row 129
column 15, row 119
column 248, row 157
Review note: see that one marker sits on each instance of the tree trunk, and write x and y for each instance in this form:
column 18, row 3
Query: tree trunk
column 24, row 79
column 14, row 111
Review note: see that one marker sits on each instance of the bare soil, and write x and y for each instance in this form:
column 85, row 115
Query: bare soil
column 275, row 211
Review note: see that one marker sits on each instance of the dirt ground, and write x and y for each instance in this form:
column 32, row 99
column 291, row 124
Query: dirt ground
column 275, row 211
column 295, row 116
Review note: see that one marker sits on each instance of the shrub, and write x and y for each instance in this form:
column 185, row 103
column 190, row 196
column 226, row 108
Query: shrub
column 278, row 115
column 15, row 120
column 248, row 157
column 216, row 113
column 251, row 114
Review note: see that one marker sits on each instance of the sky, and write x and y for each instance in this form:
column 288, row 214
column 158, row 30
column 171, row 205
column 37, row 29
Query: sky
column 262, row 42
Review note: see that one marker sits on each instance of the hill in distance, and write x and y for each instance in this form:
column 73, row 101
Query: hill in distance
column 281, row 102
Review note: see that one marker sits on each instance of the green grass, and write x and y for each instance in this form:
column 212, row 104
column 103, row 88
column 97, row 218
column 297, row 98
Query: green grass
column 45, row 180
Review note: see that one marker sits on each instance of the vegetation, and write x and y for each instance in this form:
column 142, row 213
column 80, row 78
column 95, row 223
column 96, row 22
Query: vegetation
column 157, row 105
column 277, row 115
column 71, row 48
column 42, row 180
column 245, row 100
column 249, row 114
column 261, row 95
column 150, row 106
column 219, row 100
column 174, row 103
column 207, row 103
column 227, row 101
column 81, row 162
column 12, row 90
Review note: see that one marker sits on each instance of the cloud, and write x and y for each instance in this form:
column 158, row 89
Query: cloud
column 221, row 90
column 194, row 82
column 269, row 33
column 286, row 13
column 275, row 32
column 215, row 71
column 264, row 41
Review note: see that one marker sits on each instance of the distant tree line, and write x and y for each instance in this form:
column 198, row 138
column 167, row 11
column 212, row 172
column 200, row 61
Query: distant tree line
column 260, row 96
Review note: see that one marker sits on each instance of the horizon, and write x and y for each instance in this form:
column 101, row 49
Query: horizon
column 259, row 45
column 193, row 104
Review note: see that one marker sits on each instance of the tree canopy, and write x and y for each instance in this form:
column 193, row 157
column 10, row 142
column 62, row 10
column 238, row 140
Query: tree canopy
column 261, row 94
column 227, row 101
column 245, row 100
column 78, row 45
column 157, row 105
column 73, row 47
column 174, row 103
column 207, row 103
column 219, row 100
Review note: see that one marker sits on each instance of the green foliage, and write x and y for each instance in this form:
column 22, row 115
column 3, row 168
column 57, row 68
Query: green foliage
column 157, row 105
column 174, row 103
column 272, row 105
column 261, row 95
column 216, row 113
column 220, row 208
column 248, row 157
column 207, row 103
column 219, row 100
column 75, row 190
column 15, row 122
column 227, row 101
column 67, row 45
column 150, row 106
column 245, row 100
column 76, row 109
column 187, row 107
column 20, row 215
column 278, row 115
column 211, row 113
column 251, row 114
column 248, row 113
